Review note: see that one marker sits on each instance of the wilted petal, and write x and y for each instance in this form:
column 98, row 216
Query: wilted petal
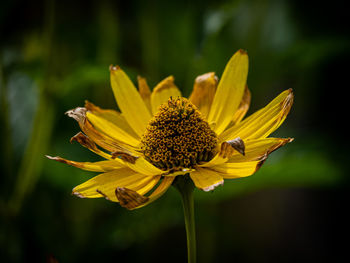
column 228, row 148
column 89, row 144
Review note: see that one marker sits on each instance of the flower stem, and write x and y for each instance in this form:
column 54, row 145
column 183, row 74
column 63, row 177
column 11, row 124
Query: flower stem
column 185, row 187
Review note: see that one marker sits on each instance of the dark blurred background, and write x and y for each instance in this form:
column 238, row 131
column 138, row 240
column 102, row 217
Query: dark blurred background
column 56, row 54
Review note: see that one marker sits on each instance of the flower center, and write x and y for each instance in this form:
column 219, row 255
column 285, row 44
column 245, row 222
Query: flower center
column 178, row 136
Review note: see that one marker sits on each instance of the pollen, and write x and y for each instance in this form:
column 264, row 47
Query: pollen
column 178, row 136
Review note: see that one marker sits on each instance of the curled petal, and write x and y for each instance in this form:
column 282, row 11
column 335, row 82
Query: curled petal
column 125, row 156
column 78, row 114
column 227, row 148
column 84, row 141
column 129, row 199
column 89, row 144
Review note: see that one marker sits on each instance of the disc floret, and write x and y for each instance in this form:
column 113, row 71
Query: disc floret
column 178, row 136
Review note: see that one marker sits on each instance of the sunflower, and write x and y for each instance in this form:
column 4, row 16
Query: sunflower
column 159, row 136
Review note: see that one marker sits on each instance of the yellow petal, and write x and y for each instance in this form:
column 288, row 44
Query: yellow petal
column 142, row 166
column 144, row 186
column 112, row 116
column 236, row 170
column 101, row 166
column 206, row 179
column 204, row 91
column 111, row 129
column 263, row 122
column 104, row 185
column 181, row 171
column 144, row 91
column 162, row 92
column 243, row 107
column 229, row 92
column 159, row 191
column 136, row 163
column 215, row 161
column 129, row 101
column 255, row 150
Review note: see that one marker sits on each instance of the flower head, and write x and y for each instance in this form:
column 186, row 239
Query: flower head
column 160, row 135
column 178, row 137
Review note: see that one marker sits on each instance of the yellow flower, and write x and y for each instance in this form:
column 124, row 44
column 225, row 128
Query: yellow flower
column 204, row 137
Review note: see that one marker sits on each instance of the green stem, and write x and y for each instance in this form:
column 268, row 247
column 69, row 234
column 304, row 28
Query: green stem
column 185, row 187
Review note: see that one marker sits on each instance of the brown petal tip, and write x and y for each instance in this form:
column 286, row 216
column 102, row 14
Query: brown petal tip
column 114, row 68
column 228, row 147
column 89, row 106
column 57, row 158
column 84, row 141
column 79, row 114
column 288, row 140
column 129, row 199
column 210, row 76
column 166, row 83
column 264, row 157
column 50, row 157
column 243, row 52
column 124, row 156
